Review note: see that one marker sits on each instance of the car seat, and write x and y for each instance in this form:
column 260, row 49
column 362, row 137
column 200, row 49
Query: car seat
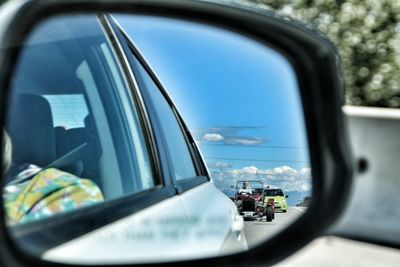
column 69, row 139
column 30, row 125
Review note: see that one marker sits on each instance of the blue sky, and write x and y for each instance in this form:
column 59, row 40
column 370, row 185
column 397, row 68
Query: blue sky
column 239, row 98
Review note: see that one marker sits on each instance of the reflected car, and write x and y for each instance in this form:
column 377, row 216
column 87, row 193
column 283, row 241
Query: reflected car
column 251, row 202
column 278, row 197
column 306, row 201
column 80, row 113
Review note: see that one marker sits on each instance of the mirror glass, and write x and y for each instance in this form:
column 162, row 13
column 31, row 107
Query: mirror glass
column 99, row 166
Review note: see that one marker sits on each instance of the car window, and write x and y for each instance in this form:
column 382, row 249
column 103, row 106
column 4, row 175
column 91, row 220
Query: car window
column 73, row 124
column 274, row 192
column 179, row 153
column 68, row 111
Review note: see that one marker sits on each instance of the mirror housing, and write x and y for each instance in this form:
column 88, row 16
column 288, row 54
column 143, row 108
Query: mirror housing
column 316, row 64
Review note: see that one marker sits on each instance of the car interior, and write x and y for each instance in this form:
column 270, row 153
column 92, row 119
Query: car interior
column 61, row 96
column 32, row 113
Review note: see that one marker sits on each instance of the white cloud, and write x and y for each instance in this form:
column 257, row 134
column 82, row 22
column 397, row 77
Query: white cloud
column 305, row 171
column 278, row 171
column 213, row 137
column 247, row 141
column 227, row 135
column 219, row 165
column 252, row 170
column 285, row 177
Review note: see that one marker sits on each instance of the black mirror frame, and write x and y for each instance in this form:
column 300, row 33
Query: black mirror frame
column 315, row 61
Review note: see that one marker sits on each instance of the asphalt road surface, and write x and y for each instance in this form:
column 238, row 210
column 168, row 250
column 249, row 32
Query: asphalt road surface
column 258, row 231
column 329, row 251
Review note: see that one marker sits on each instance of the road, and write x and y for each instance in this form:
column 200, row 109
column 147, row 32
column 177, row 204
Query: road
column 324, row 251
column 259, row 231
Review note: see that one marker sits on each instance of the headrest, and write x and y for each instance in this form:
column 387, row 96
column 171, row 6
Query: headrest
column 30, row 126
column 89, row 124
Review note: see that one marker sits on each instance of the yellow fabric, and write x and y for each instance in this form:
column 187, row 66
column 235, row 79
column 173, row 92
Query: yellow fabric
column 49, row 192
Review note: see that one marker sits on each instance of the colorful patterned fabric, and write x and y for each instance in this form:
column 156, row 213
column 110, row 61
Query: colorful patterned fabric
column 48, row 192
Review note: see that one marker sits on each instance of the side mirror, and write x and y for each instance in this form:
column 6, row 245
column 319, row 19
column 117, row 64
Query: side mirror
column 121, row 71
column 286, row 196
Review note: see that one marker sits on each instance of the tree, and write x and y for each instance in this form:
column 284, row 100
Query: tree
column 367, row 34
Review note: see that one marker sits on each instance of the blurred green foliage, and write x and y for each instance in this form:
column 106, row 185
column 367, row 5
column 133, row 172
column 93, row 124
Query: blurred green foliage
column 367, row 34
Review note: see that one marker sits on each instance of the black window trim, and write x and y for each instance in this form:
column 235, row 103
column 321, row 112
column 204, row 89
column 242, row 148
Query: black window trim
column 199, row 164
column 136, row 97
column 96, row 61
column 184, row 185
column 158, row 149
column 191, row 143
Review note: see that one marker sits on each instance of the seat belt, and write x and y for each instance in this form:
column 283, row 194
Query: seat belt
column 71, row 157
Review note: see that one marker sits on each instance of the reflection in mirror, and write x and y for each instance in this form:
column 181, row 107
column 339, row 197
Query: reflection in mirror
column 92, row 162
column 240, row 99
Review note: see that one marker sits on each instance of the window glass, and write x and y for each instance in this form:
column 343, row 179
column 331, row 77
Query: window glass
column 143, row 171
column 179, row 153
column 68, row 111
column 74, row 128
column 273, row 192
